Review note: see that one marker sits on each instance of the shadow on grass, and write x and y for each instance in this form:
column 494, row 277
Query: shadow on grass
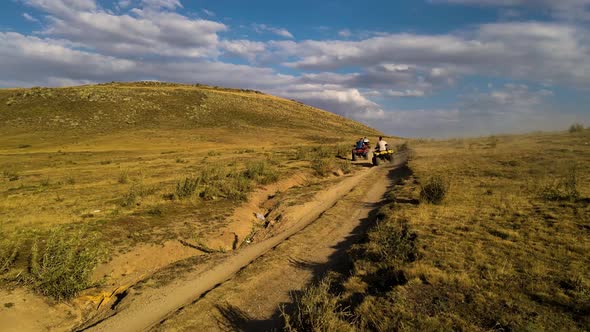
column 235, row 319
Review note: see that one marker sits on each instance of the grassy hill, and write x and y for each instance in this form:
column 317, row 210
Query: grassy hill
column 99, row 169
column 115, row 107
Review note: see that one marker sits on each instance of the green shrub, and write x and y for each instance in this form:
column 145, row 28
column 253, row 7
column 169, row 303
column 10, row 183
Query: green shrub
column 62, row 266
column 434, row 190
column 576, row 127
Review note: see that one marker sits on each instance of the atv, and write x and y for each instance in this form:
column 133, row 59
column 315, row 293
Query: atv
column 362, row 152
column 380, row 156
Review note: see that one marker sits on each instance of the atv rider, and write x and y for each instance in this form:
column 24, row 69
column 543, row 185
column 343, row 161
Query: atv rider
column 360, row 144
column 381, row 145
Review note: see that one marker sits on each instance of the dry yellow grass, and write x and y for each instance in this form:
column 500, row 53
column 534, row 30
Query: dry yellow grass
column 106, row 160
column 498, row 253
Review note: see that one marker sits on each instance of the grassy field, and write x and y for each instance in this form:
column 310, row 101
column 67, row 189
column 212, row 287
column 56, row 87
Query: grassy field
column 87, row 172
column 503, row 247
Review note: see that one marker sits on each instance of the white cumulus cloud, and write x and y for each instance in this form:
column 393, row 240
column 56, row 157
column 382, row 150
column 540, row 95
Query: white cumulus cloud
column 282, row 32
column 158, row 4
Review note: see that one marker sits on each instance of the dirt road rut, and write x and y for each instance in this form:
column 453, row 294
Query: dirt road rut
column 245, row 289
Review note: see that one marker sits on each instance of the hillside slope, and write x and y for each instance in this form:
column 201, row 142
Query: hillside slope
column 113, row 107
column 103, row 185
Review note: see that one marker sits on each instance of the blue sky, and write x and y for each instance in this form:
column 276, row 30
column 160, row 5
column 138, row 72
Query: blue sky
column 434, row 68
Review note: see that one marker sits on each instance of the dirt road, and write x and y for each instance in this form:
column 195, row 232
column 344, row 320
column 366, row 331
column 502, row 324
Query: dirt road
column 245, row 288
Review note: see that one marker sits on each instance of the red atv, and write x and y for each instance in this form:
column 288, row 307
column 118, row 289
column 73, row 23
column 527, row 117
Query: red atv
column 360, row 152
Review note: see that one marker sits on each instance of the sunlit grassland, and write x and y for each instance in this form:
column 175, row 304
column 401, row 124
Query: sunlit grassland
column 110, row 164
column 497, row 253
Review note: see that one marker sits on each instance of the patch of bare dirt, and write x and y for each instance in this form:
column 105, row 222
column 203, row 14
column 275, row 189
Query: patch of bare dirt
column 249, row 215
column 21, row 310
column 144, row 259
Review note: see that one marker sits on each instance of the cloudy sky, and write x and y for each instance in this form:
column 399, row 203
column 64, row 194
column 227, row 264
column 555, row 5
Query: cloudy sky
column 434, row 68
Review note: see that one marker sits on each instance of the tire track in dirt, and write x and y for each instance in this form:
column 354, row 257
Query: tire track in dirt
column 251, row 300
column 147, row 309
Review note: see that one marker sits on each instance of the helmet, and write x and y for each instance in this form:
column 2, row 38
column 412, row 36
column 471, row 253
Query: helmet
column 366, row 140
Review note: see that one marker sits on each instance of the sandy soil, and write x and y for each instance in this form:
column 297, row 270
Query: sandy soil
column 132, row 266
column 244, row 218
column 20, row 310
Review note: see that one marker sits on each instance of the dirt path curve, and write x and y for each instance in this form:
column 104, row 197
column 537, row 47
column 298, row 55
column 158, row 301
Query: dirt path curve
column 250, row 301
column 152, row 308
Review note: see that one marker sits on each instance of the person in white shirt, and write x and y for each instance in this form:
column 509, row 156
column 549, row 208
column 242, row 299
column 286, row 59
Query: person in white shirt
column 381, row 144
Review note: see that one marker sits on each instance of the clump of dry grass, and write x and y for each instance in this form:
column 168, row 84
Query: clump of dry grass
column 434, row 189
column 261, row 171
column 344, row 166
column 186, row 188
column 220, row 181
column 136, row 191
column 322, row 166
column 60, row 266
column 317, row 309
column 393, row 242
column 70, row 179
column 11, row 174
column 323, row 159
column 564, row 188
column 343, row 150
column 9, row 249
column 123, row 177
